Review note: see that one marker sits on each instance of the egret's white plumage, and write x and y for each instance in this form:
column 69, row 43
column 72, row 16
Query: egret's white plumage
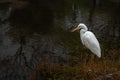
column 88, row 39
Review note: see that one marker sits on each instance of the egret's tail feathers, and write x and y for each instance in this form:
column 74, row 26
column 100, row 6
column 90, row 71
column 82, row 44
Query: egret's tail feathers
column 98, row 54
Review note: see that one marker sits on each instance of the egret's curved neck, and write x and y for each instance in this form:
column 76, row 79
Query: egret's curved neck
column 83, row 26
column 82, row 31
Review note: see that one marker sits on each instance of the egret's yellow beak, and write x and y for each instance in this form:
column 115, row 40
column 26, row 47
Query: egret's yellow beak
column 75, row 29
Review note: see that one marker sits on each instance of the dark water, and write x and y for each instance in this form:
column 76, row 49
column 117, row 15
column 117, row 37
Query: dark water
column 29, row 31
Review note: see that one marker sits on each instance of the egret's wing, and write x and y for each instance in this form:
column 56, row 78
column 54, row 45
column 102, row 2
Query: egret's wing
column 90, row 41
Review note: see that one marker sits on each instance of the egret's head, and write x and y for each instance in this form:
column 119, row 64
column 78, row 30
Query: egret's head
column 80, row 26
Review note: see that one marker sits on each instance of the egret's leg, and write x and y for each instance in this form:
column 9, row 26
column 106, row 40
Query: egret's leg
column 92, row 57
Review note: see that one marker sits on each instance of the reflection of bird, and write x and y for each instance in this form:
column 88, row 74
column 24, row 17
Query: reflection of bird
column 88, row 39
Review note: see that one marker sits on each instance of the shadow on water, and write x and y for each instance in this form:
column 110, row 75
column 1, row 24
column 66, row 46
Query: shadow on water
column 38, row 35
column 33, row 18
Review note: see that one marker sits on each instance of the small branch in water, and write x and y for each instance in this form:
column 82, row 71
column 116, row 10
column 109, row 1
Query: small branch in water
column 20, row 54
column 91, row 12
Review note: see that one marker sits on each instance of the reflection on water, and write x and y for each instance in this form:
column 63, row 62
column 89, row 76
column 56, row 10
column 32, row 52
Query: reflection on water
column 32, row 32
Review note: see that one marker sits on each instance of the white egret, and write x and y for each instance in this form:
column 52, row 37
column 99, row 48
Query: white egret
column 88, row 39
